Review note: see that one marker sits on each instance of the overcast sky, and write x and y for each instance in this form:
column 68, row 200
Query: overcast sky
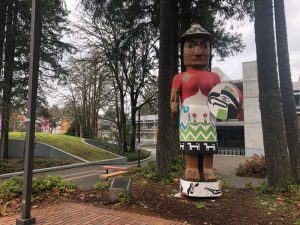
column 233, row 66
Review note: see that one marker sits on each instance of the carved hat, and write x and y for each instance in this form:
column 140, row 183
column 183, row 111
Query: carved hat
column 195, row 31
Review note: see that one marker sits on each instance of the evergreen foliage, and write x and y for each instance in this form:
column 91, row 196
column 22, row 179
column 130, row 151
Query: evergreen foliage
column 14, row 64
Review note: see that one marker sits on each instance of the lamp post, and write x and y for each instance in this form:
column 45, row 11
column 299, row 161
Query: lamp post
column 26, row 219
column 139, row 138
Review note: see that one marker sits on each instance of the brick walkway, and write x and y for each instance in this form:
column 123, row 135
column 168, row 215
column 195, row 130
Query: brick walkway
column 79, row 214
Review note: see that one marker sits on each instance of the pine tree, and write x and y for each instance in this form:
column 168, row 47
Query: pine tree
column 275, row 145
column 286, row 88
column 16, row 43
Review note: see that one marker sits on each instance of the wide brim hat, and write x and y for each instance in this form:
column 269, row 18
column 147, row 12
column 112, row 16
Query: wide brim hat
column 196, row 30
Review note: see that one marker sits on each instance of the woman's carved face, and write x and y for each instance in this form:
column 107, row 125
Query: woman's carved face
column 196, row 52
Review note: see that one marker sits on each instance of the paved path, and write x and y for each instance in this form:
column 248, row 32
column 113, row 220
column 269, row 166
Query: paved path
column 79, row 214
column 89, row 175
column 86, row 176
column 226, row 165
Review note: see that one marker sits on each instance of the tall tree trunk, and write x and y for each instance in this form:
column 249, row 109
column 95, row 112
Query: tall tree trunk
column 133, row 104
column 76, row 127
column 275, row 145
column 3, row 11
column 94, row 124
column 286, row 87
column 118, row 121
column 133, row 123
column 83, row 117
column 168, row 64
column 185, row 18
column 81, row 129
column 94, row 108
column 123, row 122
column 13, row 8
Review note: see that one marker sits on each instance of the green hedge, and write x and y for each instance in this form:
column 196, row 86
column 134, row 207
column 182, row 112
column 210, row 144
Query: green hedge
column 12, row 187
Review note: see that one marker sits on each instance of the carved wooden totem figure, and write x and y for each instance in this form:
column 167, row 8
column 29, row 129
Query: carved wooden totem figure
column 202, row 100
column 198, row 136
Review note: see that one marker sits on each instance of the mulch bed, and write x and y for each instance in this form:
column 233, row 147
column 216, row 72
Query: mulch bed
column 235, row 207
column 11, row 207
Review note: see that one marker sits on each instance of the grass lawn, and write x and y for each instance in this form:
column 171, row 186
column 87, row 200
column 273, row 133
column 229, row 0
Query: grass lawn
column 131, row 156
column 73, row 145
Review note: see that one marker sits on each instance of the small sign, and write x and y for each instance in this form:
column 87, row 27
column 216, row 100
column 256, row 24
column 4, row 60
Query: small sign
column 120, row 182
column 119, row 185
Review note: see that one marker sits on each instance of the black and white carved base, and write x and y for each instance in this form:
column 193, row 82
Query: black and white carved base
column 200, row 189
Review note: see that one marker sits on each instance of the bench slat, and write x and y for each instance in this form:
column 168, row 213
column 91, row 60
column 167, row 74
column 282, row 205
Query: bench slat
column 106, row 176
column 115, row 168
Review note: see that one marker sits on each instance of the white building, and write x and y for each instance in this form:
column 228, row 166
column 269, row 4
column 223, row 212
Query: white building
column 239, row 136
column 252, row 119
column 148, row 129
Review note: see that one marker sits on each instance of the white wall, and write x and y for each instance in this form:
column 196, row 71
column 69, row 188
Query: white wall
column 252, row 119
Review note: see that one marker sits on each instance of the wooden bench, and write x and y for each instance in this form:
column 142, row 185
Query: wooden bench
column 106, row 176
column 120, row 171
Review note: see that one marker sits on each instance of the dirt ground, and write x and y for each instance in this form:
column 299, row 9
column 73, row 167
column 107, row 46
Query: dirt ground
column 235, row 207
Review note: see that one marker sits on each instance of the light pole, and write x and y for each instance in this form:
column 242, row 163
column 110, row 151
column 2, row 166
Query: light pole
column 26, row 219
column 139, row 138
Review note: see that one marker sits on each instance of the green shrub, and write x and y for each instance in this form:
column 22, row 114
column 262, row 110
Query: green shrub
column 6, row 167
column 264, row 188
column 178, row 167
column 147, row 173
column 255, row 167
column 102, row 185
column 143, row 174
column 52, row 182
column 133, row 156
column 12, row 187
column 125, row 198
column 200, row 205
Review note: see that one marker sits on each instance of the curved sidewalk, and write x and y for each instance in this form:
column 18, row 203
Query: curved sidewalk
column 225, row 167
column 79, row 214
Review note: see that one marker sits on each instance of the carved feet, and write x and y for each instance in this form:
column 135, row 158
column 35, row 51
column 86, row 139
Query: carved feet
column 192, row 169
column 209, row 175
column 192, row 174
column 208, row 170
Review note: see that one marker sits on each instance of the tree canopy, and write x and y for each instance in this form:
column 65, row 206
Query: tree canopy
column 15, row 40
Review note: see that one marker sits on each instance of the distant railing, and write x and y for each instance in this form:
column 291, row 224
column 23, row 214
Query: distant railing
column 231, row 152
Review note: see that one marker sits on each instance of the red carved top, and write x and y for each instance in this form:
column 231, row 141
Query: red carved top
column 193, row 80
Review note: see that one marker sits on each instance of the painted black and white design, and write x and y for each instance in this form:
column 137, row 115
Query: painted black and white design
column 224, row 101
column 214, row 191
column 199, row 147
column 200, row 189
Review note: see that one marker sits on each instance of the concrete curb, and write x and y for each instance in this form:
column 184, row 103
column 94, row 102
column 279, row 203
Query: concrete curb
column 122, row 160
column 84, row 141
column 142, row 160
